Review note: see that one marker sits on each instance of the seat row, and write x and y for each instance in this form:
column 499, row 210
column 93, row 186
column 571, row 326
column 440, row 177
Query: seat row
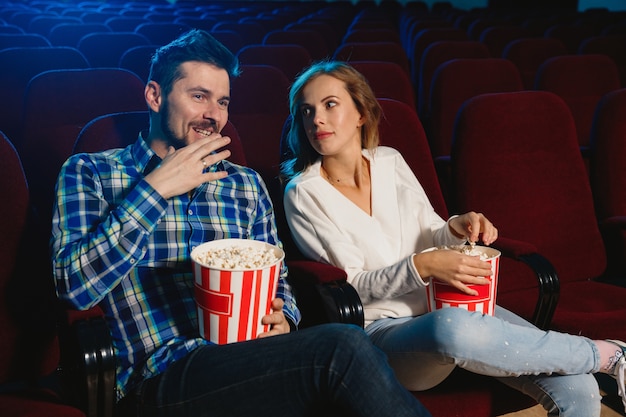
column 525, row 172
column 465, row 389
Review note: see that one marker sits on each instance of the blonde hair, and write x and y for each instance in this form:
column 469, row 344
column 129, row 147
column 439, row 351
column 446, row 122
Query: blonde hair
column 300, row 152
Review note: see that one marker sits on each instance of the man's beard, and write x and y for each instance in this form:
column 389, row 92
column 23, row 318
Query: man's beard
column 168, row 132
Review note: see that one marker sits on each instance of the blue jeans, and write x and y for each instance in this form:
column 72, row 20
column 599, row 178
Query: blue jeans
column 553, row 368
column 304, row 373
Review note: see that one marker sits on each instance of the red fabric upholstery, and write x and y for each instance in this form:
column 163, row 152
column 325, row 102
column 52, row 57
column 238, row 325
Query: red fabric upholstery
column 608, row 176
column 454, row 82
column 312, row 40
column 388, row 80
column 580, row 80
column 12, row 40
column 33, row 405
column 377, row 34
column 571, row 35
column 290, row 59
column 137, row 59
column 28, row 340
column 252, row 32
column 104, row 49
column 161, row 33
column 498, row 37
column 516, row 159
column 330, row 30
column 57, row 104
column 400, row 128
column 68, row 34
column 426, row 37
column 529, row 53
column 466, row 394
column 436, row 54
column 230, row 38
column 612, row 46
column 372, row 51
column 482, row 23
column 19, row 65
column 13, row 224
column 608, row 140
column 458, row 80
column 259, row 113
column 415, row 24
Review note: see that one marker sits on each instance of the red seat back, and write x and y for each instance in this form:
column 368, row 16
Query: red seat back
column 580, row 80
column 516, row 159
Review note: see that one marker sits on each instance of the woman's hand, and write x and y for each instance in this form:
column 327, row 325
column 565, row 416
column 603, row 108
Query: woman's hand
column 454, row 268
column 276, row 319
column 473, row 226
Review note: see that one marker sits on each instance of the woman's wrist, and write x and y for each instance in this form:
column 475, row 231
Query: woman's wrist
column 453, row 230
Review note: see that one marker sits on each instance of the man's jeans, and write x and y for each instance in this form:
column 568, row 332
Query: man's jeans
column 322, row 370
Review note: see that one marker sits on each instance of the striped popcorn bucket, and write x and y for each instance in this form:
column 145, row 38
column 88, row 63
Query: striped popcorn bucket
column 442, row 295
column 232, row 301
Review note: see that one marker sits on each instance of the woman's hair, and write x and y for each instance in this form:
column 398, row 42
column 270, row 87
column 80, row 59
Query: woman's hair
column 301, row 153
column 195, row 45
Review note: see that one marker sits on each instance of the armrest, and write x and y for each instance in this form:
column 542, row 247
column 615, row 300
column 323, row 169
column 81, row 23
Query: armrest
column 547, row 278
column 323, row 294
column 613, row 223
column 87, row 361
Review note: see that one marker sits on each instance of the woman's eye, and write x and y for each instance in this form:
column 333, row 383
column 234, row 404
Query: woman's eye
column 306, row 112
column 331, row 104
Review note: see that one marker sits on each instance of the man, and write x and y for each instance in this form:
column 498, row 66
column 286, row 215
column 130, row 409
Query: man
column 125, row 222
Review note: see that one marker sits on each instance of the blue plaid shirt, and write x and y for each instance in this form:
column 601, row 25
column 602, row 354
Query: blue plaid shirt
column 117, row 243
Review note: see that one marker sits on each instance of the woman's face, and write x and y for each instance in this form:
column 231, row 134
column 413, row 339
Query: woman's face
column 330, row 118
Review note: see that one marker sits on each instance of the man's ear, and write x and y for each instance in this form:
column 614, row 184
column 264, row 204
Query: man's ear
column 153, row 96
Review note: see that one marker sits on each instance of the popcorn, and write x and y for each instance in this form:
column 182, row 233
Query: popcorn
column 237, row 257
column 470, row 250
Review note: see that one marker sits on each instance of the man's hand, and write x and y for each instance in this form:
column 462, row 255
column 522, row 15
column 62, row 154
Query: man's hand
column 184, row 169
column 276, row 319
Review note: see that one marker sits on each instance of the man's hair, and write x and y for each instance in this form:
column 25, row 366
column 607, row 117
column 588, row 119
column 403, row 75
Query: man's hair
column 195, row 45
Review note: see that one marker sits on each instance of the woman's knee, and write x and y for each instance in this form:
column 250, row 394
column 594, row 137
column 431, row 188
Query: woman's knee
column 455, row 328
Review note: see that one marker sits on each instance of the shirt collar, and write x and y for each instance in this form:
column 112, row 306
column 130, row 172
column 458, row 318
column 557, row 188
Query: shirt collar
column 145, row 158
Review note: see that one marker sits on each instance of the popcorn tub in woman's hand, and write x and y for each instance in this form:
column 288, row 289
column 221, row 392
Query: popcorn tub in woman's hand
column 441, row 295
column 235, row 283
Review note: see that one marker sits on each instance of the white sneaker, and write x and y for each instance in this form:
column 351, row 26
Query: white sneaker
column 619, row 371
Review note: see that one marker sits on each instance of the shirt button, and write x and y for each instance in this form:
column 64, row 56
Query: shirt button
column 132, row 261
column 190, row 212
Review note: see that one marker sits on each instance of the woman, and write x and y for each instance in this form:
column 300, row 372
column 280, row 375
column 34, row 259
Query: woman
column 358, row 206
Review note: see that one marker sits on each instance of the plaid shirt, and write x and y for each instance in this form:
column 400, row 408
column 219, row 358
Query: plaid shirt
column 117, row 243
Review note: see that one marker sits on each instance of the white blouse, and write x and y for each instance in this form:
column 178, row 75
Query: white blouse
column 375, row 251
